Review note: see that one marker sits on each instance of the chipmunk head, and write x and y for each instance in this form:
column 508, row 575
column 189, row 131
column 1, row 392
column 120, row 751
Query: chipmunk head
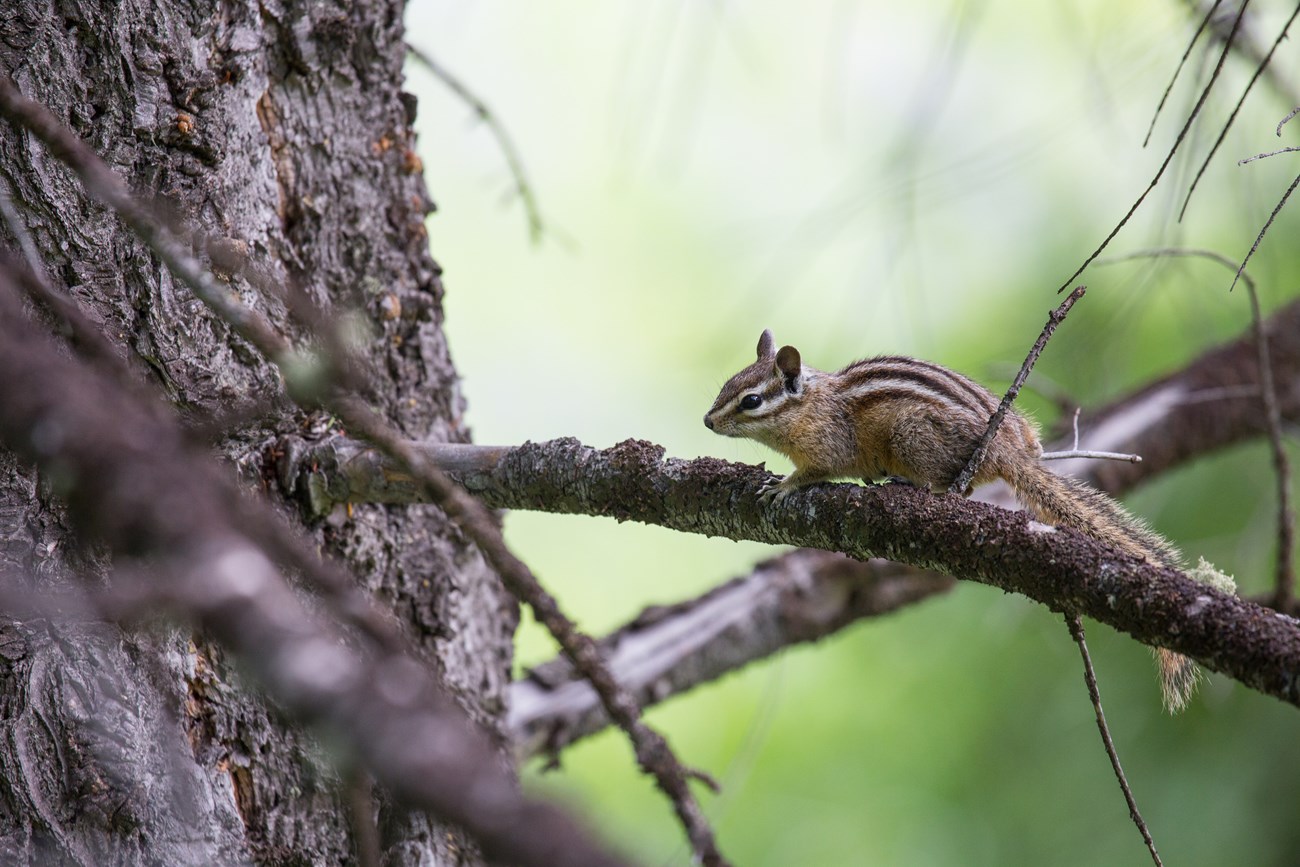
column 750, row 400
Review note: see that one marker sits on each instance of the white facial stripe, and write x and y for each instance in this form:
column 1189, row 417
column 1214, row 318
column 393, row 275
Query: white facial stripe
column 767, row 407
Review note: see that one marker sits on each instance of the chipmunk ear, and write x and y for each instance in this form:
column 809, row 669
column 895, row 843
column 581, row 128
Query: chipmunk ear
column 766, row 345
column 790, row 367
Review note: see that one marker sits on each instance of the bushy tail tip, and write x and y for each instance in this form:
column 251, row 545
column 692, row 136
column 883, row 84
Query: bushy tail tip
column 1178, row 679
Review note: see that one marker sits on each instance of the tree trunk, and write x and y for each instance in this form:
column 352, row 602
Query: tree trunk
column 280, row 130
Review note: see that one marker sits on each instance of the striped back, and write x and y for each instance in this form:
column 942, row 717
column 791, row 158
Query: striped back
column 896, row 377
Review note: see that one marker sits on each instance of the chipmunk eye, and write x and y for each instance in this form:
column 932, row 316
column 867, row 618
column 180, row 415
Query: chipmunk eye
column 751, row 401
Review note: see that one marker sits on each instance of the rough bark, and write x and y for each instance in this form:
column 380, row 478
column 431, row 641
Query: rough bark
column 1060, row 568
column 968, row 539
column 134, row 481
column 804, row 595
column 280, row 129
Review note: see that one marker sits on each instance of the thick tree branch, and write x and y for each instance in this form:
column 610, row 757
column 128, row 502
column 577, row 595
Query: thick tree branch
column 1064, row 570
column 1210, row 404
column 646, row 655
column 797, row 597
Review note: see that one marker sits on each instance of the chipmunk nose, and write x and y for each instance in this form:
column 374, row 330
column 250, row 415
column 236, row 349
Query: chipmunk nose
column 708, row 423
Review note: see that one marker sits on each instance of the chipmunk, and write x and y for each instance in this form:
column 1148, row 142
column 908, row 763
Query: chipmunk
column 903, row 417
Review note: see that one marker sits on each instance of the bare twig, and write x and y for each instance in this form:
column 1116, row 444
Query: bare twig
column 524, row 189
column 1182, row 134
column 1281, row 465
column 1265, row 155
column 963, row 480
column 1285, row 572
column 1182, row 61
column 1174, row 253
column 652, row 751
column 1268, row 394
column 1284, row 121
column 1286, row 576
column 1267, row 225
column 1072, row 620
column 1090, row 678
column 1091, row 455
column 1223, row 133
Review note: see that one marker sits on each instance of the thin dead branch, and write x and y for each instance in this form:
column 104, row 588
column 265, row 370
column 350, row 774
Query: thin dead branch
column 1263, row 231
column 1285, row 585
column 1072, row 620
column 1284, row 121
column 1055, row 318
column 1090, row 455
column 514, row 162
column 1182, row 61
column 1178, row 140
column 1267, row 154
column 1227, row 125
column 1090, row 678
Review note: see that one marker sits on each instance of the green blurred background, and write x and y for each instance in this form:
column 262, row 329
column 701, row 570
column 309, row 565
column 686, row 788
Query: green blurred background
column 862, row 178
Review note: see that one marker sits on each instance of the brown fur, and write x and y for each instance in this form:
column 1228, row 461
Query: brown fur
column 903, row 417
